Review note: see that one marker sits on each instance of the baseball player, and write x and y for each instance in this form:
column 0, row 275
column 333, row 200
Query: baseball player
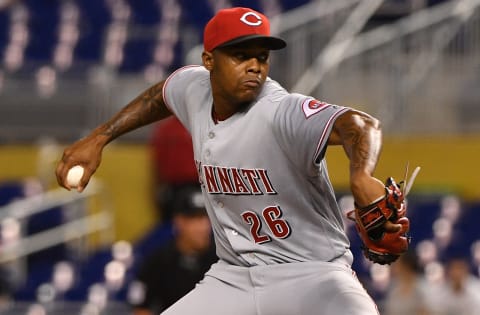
column 259, row 152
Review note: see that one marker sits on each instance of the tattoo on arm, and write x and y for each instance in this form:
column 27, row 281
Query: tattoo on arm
column 145, row 109
column 364, row 151
column 362, row 143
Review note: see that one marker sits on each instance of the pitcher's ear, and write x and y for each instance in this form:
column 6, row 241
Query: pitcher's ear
column 207, row 58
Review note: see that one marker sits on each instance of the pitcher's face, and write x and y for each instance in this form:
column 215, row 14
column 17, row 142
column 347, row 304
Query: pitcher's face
column 238, row 72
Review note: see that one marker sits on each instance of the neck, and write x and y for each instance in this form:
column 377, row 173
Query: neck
column 219, row 114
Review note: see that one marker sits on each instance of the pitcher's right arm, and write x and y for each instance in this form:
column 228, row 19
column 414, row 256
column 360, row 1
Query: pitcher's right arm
column 145, row 109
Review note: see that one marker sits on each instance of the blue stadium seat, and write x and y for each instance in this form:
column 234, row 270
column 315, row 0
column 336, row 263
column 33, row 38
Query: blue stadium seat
column 95, row 16
column 137, row 55
column 145, row 12
column 11, row 190
column 254, row 4
column 423, row 210
column 196, row 13
column 37, row 274
column 94, row 19
column 468, row 224
column 4, row 28
column 44, row 17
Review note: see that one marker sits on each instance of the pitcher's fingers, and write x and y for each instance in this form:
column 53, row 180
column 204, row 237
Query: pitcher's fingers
column 61, row 174
column 391, row 227
column 87, row 175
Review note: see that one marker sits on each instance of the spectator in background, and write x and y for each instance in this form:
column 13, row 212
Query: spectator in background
column 173, row 162
column 407, row 292
column 460, row 293
column 173, row 270
column 173, row 168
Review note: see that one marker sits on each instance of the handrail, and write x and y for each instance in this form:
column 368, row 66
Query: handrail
column 75, row 228
column 460, row 9
column 307, row 13
column 412, row 23
column 61, row 234
column 337, row 47
column 26, row 207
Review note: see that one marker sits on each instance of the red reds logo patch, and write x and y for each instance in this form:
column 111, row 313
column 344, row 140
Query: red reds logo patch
column 312, row 106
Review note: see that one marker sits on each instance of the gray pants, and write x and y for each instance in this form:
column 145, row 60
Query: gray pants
column 305, row 288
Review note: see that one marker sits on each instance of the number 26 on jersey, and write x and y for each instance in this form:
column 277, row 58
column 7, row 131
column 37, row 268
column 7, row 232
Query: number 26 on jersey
column 272, row 217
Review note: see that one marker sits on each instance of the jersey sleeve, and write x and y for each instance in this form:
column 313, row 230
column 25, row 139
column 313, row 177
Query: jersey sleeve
column 303, row 126
column 179, row 89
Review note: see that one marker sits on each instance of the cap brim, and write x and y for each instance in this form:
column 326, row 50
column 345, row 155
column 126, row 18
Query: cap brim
column 270, row 42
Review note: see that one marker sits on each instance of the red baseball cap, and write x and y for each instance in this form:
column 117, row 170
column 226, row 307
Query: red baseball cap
column 236, row 25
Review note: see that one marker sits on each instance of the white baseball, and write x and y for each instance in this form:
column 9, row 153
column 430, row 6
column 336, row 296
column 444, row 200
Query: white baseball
column 74, row 176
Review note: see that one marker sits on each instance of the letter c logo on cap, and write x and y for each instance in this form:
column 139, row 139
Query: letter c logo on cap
column 258, row 19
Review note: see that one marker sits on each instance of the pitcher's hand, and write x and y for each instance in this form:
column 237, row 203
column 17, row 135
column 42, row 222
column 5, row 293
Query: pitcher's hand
column 87, row 153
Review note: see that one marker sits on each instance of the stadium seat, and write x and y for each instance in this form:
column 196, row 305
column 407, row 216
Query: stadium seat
column 44, row 17
column 4, row 29
column 145, row 12
column 94, row 19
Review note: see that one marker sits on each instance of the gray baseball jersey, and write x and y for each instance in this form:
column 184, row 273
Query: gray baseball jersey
column 263, row 173
column 267, row 191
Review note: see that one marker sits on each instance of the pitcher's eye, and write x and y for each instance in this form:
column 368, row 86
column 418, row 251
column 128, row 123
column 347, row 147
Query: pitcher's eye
column 262, row 57
column 240, row 56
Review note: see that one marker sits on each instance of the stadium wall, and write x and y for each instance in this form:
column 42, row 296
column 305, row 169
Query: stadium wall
column 448, row 166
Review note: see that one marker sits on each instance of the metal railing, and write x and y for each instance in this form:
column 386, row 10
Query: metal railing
column 419, row 75
column 80, row 222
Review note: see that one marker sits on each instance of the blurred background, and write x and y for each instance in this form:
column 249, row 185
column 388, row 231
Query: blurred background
column 68, row 65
